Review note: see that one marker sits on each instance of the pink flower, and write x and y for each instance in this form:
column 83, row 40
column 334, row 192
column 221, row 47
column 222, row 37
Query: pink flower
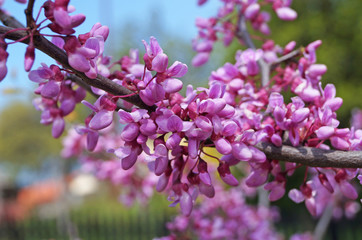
column 154, row 57
column 103, row 109
column 325, row 132
column 331, row 101
column 247, row 61
column 241, row 151
column 154, row 89
column 29, row 57
column 201, row 2
column 92, row 136
column 83, row 53
column 3, row 57
column 159, row 160
column 306, row 194
column 180, row 194
column 223, row 146
column 58, row 13
column 286, row 13
column 277, row 190
column 296, row 195
column 226, row 175
column 252, row 10
column 200, row 59
column 128, row 155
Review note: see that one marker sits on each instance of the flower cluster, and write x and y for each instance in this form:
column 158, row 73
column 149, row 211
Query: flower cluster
column 85, row 53
column 135, row 185
column 227, row 216
column 58, row 13
column 58, row 96
column 325, row 187
column 209, row 29
column 232, row 115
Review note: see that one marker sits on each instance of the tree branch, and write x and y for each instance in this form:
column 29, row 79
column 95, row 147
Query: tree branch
column 287, row 57
column 243, row 34
column 60, row 56
column 10, row 21
column 29, row 15
column 324, row 221
column 79, row 82
column 82, row 84
column 313, row 157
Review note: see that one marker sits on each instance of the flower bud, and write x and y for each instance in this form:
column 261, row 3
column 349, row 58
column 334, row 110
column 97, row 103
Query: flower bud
column 130, row 132
column 325, row 182
column 172, row 85
column 241, row 151
column 101, row 119
column 29, row 57
column 58, row 127
column 200, row 59
column 325, row 132
column 223, row 146
column 252, row 10
column 286, row 14
column 226, row 175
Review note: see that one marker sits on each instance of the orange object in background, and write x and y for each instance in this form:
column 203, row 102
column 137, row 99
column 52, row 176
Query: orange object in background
column 38, row 193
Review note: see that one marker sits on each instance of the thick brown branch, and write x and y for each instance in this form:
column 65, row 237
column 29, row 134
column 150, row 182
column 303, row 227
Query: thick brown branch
column 313, row 157
column 10, row 21
column 79, row 82
column 82, row 84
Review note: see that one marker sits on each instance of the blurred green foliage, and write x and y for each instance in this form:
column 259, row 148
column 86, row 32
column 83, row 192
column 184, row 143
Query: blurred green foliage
column 24, row 141
column 338, row 23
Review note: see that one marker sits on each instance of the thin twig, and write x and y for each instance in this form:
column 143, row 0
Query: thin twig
column 287, row 57
column 243, row 34
column 323, row 222
column 29, row 15
column 263, row 200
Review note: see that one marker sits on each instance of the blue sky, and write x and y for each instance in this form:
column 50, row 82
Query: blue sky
column 176, row 18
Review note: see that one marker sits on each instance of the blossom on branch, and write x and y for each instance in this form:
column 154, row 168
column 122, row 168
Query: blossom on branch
column 58, row 13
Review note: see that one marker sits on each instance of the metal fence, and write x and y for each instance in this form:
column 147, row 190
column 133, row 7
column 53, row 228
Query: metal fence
column 91, row 226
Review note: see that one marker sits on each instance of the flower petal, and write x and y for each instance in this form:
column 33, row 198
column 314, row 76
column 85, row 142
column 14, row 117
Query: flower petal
column 101, row 119
column 172, row 85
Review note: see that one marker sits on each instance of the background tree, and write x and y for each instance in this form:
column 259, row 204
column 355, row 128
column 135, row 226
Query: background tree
column 20, row 124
